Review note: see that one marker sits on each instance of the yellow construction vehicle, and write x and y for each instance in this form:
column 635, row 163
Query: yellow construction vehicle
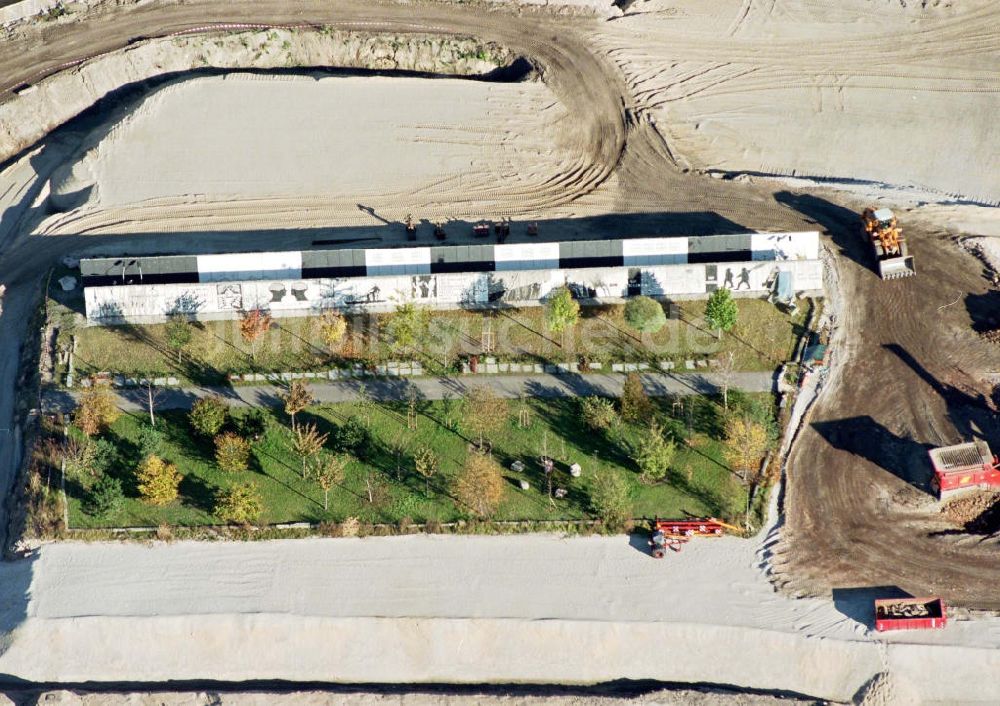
column 886, row 237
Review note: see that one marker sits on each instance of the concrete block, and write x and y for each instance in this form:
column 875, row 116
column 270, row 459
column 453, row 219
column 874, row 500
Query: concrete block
column 503, row 367
column 418, row 369
column 643, row 366
column 617, row 367
column 118, row 381
column 248, row 377
column 286, row 376
column 297, row 376
column 160, row 382
column 466, row 369
column 85, row 382
column 310, row 376
column 537, row 368
column 172, row 381
column 666, row 365
column 689, row 364
column 549, row 368
column 702, row 363
column 596, row 366
column 492, row 368
column 631, row 367
column 131, row 382
column 490, row 361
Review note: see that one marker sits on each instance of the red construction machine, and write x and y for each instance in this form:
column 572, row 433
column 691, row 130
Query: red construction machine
column 909, row 614
column 673, row 534
column 964, row 467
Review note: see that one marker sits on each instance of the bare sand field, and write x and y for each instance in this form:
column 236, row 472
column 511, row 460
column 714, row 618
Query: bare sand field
column 247, row 136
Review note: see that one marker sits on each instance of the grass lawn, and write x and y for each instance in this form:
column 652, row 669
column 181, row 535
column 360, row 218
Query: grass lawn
column 763, row 338
column 699, row 484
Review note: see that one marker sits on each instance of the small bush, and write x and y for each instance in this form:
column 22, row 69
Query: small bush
column 158, row 481
column 252, row 424
column 105, row 498
column 208, row 416
column 149, row 442
column 645, row 315
column 241, row 504
column 232, row 452
column 352, row 437
column 598, row 413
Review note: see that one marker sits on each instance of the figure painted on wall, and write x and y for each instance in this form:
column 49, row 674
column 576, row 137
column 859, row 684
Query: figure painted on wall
column 423, row 287
column 186, row 303
column 230, row 296
column 728, row 281
column 299, row 290
column 277, row 292
column 744, row 278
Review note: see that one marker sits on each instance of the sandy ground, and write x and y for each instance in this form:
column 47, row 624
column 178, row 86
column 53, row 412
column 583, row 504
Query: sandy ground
column 853, row 90
column 515, row 696
column 250, row 136
column 454, row 609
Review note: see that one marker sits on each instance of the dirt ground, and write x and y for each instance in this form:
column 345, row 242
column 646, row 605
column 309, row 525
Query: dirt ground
column 910, row 372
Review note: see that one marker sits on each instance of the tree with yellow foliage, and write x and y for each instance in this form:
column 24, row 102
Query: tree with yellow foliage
column 157, row 481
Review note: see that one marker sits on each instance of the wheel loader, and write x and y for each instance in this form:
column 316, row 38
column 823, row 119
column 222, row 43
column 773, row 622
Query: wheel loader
column 879, row 226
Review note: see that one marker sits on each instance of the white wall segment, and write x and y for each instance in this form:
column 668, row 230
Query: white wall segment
column 785, row 246
column 526, row 256
column 239, row 267
column 398, row 261
column 655, row 251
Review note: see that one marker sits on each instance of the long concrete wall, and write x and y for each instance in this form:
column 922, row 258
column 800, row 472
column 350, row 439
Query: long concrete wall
column 215, row 300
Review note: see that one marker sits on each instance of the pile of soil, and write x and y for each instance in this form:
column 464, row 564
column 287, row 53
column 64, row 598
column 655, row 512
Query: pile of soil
column 978, row 513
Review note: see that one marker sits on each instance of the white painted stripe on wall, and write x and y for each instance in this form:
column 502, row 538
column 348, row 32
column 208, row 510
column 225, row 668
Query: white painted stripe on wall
column 785, row 246
column 398, row 261
column 232, row 267
column 526, row 251
column 655, row 251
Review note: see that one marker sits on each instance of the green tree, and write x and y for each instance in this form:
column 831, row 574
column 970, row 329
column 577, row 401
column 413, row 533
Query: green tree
column 480, row 485
column 653, row 454
column 721, row 311
column 208, row 415
column 426, row 463
column 232, row 452
column 307, row 443
column 239, row 504
column 611, row 498
column 562, row 311
column 178, row 333
column 351, row 437
column 635, row 402
column 598, row 413
column 157, row 481
column 106, row 497
column 150, row 440
column 645, row 315
column 252, row 423
column 408, row 325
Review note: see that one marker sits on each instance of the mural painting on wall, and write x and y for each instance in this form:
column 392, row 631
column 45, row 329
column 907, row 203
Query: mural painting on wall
column 423, row 287
column 372, row 296
column 187, row 302
column 230, row 296
column 744, row 279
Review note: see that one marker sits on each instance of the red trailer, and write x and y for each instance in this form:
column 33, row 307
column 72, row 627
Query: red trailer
column 909, row 614
column 672, row 534
column 964, row 467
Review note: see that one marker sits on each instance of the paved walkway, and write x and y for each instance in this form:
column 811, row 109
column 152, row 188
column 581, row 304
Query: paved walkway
column 435, row 388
